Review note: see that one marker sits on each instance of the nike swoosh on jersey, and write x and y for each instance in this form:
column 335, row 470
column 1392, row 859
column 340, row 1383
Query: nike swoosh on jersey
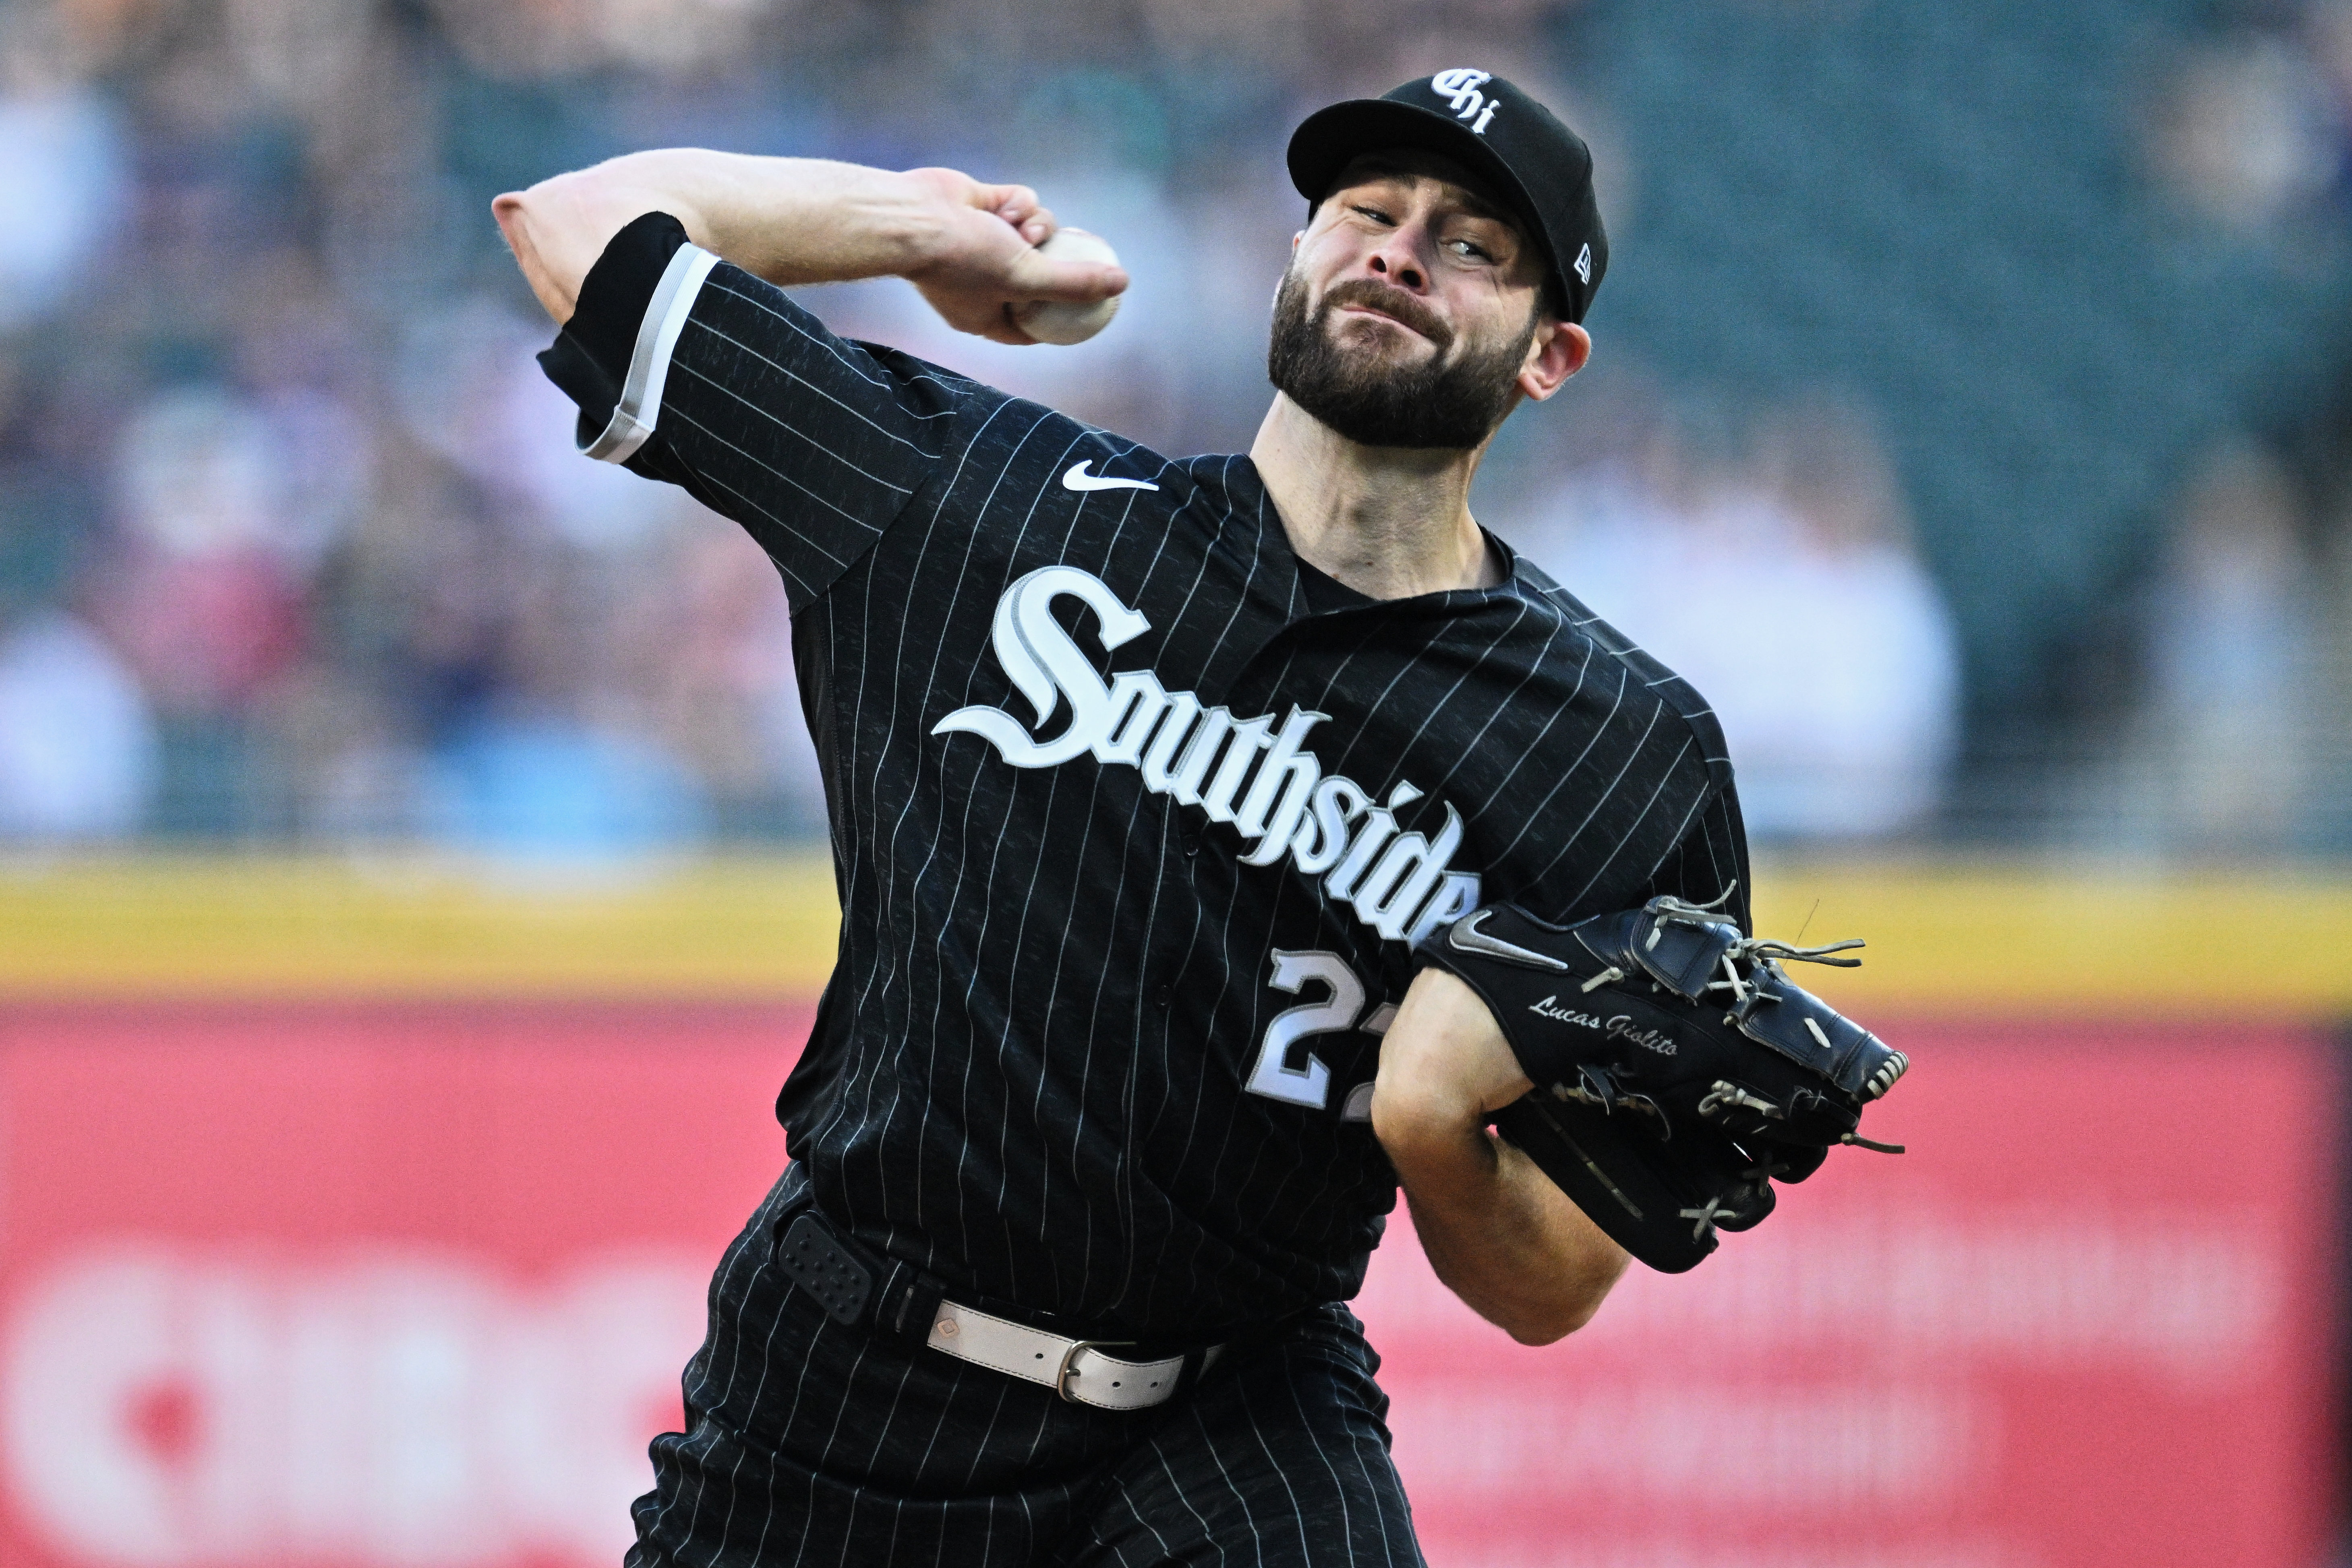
column 1078, row 478
column 1467, row 938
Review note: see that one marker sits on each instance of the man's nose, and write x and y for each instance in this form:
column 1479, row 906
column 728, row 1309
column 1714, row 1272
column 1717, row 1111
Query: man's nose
column 1396, row 261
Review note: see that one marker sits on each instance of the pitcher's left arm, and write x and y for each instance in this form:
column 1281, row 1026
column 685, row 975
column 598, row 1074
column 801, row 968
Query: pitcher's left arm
column 1500, row 1234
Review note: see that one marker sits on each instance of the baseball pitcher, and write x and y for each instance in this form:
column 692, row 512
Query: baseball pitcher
column 1222, row 841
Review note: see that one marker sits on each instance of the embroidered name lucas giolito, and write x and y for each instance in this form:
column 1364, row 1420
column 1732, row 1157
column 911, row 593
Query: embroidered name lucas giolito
column 1135, row 820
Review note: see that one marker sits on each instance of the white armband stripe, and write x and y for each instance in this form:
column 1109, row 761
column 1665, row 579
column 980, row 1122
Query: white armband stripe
column 639, row 410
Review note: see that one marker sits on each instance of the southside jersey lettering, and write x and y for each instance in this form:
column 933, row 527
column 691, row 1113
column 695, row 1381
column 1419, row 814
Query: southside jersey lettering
column 1131, row 841
column 1404, row 894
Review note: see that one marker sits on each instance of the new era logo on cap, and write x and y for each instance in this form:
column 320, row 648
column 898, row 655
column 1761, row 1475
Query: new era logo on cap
column 1584, row 264
column 1459, row 88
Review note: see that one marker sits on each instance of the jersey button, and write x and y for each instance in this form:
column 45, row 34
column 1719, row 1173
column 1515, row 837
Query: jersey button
column 1192, row 843
column 1163, row 997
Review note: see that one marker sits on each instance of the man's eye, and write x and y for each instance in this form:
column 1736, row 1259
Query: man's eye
column 1374, row 213
column 1472, row 249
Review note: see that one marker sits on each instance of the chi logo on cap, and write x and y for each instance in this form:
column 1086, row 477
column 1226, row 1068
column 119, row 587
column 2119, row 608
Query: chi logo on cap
column 1584, row 264
column 1459, row 88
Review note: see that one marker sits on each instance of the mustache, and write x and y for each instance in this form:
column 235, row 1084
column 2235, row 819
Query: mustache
column 1389, row 300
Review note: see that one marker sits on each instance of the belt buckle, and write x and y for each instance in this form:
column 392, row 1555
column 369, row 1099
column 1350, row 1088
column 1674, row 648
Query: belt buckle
column 1063, row 1373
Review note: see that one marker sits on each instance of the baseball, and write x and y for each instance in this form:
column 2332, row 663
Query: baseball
column 1055, row 322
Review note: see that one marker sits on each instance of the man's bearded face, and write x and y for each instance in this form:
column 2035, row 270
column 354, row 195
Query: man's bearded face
column 1375, row 388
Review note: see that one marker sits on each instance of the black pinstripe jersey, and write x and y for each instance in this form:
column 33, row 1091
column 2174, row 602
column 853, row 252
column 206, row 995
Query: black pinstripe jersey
column 1132, row 842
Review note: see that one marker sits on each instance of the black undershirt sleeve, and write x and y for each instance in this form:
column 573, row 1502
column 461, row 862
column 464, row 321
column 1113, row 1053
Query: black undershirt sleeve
column 590, row 358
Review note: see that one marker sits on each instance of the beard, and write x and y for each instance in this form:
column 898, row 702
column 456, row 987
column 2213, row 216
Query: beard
column 1437, row 404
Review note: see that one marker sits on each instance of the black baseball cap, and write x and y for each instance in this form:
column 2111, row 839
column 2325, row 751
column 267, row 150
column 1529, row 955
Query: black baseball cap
column 1535, row 165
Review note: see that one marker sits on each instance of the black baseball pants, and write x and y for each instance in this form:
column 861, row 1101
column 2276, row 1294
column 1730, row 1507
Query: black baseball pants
column 811, row 1445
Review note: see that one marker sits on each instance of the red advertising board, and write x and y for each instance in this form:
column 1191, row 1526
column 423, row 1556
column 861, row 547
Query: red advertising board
column 409, row 1287
column 402, row 1288
column 2085, row 1321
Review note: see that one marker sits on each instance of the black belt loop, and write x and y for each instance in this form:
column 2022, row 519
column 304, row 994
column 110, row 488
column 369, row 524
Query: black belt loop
column 908, row 1303
column 1195, row 1368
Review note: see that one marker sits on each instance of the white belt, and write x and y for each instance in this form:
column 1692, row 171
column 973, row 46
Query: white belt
column 1076, row 1369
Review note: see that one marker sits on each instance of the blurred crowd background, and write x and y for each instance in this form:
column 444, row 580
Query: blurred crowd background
column 1971, row 419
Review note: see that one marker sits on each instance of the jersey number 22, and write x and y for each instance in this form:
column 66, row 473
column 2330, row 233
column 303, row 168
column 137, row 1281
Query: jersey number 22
column 1309, row 1083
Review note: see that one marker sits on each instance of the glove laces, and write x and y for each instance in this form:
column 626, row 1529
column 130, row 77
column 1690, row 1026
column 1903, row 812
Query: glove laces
column 1754, row 951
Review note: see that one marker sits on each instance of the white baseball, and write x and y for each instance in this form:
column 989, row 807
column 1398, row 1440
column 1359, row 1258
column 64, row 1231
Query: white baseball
column 1058, row 322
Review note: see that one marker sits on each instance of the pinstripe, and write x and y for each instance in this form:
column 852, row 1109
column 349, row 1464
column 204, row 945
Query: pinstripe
column 1555, row 712
column 728, row 1524
column 1602, row 869
column 792, row 324
column 1184, row 1498
column 697, row 1388
column 939, row 955
column 890, row 892
column 1608, row 794
column 1042, row 1210
column 1290, row 1517
column 1567, row 775
column 800, row 1387
column 817, row 389
column 1158, row 1537
column 734, row 1365
column 779, row 469
column 1226, row 1482
column 1029, row 1071
column 771, row 468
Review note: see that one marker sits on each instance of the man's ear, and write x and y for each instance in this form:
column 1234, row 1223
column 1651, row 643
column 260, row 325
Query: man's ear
column 1557, row 353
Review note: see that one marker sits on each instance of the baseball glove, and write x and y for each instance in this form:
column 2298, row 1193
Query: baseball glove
column 1678, row 1071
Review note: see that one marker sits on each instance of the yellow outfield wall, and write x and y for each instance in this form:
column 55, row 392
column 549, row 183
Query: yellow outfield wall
column 1945, row 936
column 334, row 929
